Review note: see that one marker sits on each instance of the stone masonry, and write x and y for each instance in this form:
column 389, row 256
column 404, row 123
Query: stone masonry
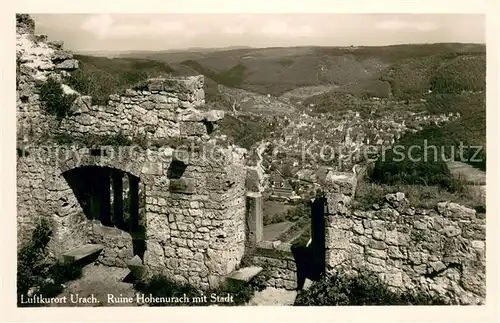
column 36, row 60
column 280, row 270
column 438, row 251
column 159, row 109
column 191, row 183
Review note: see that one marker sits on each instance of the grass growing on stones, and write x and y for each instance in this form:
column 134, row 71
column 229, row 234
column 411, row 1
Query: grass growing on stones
column 364, row 289
column 419, row 196
column 161, row 286
column 35, row 273
column 93, row 140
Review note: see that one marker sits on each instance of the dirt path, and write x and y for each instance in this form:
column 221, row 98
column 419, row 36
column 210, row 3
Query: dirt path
column 273, row 297
column 99, row 281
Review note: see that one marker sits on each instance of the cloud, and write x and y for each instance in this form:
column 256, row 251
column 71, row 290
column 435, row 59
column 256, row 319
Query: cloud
column 402, row 25
column 98, row 24
column 283, row 29
column 104, row 26
column 234, row 29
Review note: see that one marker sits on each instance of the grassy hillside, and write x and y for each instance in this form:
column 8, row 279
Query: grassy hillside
column 428, row 167
column 410, row 78
column 403, row 71
column 278, row 70
column 245, row 131
column 450, row 73
column 101, row 76
column 232, row 77
column 463, row 73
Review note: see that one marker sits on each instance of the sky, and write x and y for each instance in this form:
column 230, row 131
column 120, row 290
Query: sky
column 122, row 32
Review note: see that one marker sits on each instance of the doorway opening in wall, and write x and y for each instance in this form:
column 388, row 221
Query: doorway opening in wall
column 111, row 197
column 300, row 227
column 310, row 256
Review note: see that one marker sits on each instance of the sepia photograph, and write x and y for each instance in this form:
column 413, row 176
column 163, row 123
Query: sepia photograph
column 250, row 159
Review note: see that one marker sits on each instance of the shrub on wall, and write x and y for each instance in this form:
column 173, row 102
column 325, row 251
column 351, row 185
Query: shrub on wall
column 53, row 99
column 412, row 173
column 364, row 289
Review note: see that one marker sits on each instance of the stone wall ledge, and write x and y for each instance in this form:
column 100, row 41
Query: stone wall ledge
column 274, row 249
column 103, row 230
column 189, row 84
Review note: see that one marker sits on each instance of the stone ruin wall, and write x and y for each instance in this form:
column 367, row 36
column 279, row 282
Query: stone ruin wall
column 440, row 251
column 36, row 60
column 42, row 191
column 195, row 224
column 158, row 110
column 280, row 270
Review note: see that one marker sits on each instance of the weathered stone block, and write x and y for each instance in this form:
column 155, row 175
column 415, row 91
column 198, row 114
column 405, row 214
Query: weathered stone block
column 69, row 64
column 356, row 248
column 395, row 199
column 24, row 24
column 337, row 238
column 454, row 210
column 361, row 240
column 342, row 223
column 375, row 261
column 419, row 225
column 391, row 237
column 394, row 252
column 183, row 185
column 451, row 231
column 378, row 234
column 403, row 239
column 186, row 87
column 82, row 252
column 192, row 129
column 382, row 254
column 336, row 257
column 214, row 115
column 155, row 84
column 55, row 44
column 245, row 274
column 394, row 279
column 340, row 182
column 375, row 268
column 376, row 244
column 437, row 266
column 138, row 270
column 338, row 204
column 358, row 228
